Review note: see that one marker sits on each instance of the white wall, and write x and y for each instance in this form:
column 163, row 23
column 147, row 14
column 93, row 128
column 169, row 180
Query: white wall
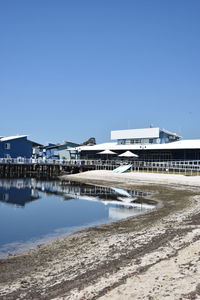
column 135, row 133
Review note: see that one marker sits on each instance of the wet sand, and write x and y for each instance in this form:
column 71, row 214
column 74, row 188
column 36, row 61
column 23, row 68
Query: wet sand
column 152, row 256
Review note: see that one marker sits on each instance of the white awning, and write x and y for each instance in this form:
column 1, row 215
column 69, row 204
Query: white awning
column 107, row 151
column 128, row 154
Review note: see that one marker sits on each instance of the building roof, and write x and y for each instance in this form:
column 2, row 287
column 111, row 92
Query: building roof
column 67, row 145
column 182, row 144
column 51, row 146
column 170, row 133
column 62, row 146
column 35, row 144
column 8, row 138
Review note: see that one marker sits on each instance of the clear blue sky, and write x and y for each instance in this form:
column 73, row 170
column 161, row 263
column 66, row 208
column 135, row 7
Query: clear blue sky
column 70, row 70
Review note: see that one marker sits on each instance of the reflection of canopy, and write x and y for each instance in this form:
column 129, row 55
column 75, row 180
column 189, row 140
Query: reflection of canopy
column 128, row 154
column 107, row 151
column 121, row 192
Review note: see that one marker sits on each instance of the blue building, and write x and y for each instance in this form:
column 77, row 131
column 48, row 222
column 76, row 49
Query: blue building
column 49, row 151
column 16, row 146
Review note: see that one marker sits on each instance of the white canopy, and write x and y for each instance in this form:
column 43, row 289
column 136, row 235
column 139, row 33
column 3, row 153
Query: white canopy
column 128, row 154
column 107, row 151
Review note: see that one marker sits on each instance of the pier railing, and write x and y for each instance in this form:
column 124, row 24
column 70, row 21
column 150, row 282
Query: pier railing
column 175, row 166
column 74, row 162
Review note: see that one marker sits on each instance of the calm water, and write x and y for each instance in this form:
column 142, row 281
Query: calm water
column 33, row 212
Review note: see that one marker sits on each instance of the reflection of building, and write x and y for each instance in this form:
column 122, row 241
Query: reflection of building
column 18, row 192
column 147, row 143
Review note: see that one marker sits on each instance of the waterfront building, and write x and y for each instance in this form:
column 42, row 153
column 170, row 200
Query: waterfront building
column 148, row 143
column 16, row 146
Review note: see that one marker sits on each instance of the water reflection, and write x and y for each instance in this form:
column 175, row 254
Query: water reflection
column 62, row 209
column 17, row 192
column 72, row 190
column 22, row 191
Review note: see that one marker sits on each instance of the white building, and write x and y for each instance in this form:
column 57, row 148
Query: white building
column 147, row 143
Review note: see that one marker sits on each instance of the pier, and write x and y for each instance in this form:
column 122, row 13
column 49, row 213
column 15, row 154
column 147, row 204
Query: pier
column 27, row 168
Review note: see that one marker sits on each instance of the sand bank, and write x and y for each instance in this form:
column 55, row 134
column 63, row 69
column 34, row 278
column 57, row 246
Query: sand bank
column 153, row 256
column 135, row 178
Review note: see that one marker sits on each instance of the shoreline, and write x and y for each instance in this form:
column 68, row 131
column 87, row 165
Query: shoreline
column 114, row 261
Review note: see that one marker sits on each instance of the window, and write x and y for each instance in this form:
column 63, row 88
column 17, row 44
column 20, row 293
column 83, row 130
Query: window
column 137, row 141
column 7, row 156
column 145, row 141
column 7, row 146
column 127, row 142
column 121, row 142
column 6, row 197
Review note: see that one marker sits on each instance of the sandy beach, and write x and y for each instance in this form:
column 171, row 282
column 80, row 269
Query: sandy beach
column 152, row 256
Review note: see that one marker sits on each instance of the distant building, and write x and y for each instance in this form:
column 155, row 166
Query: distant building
column 58, row 151
column 63, row 150
column 16, row 146
column 148, row 143
column 48, row 151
